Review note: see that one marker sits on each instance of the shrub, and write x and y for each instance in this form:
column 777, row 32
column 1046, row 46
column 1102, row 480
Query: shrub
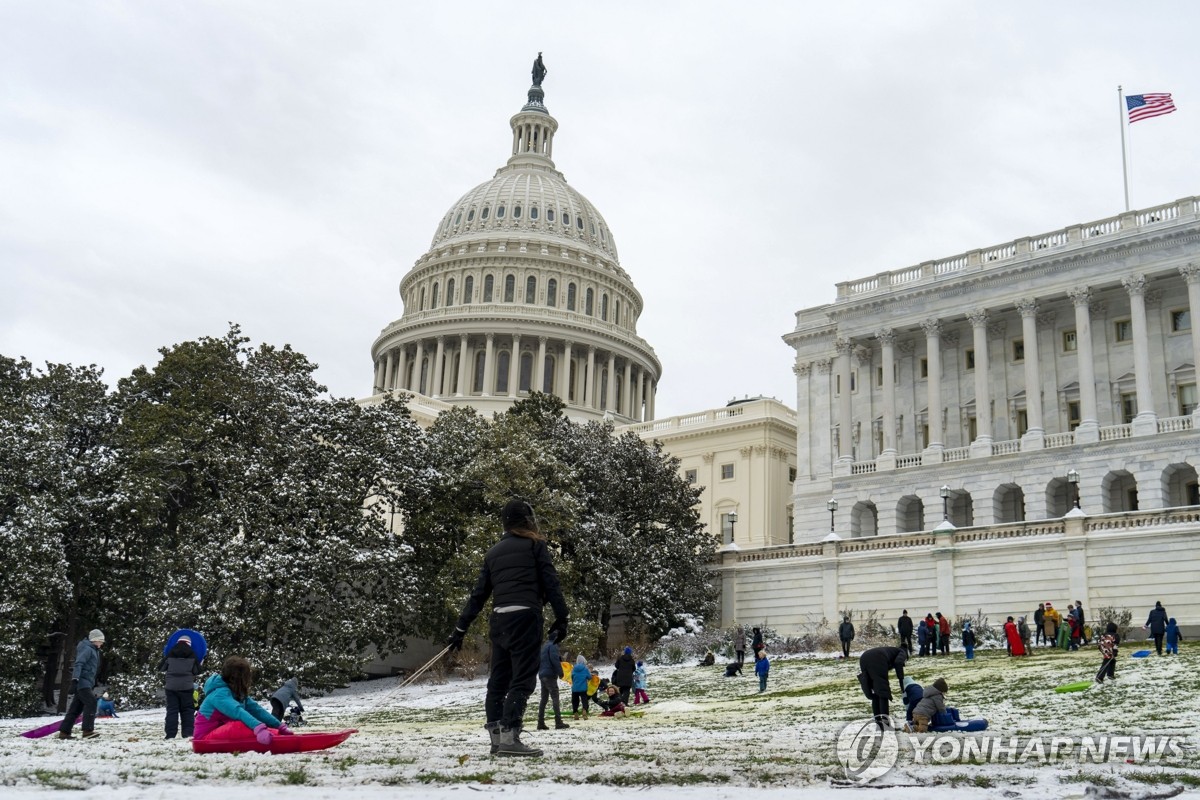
column 1106, row 614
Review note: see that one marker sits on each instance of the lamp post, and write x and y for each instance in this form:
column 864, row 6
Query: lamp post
column 945, row 493
column 1073, row 479
column 832, row 506
column 732, row 522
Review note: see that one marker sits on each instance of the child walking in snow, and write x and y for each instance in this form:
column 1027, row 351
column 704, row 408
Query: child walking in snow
column 762, row 668
column 1174, row 637
column 580, row 678
column 968, row 641
column 1108, row 651
column 639, row 684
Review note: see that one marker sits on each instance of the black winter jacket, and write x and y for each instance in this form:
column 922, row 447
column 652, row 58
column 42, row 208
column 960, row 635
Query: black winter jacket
column 181, row 667
column 623, row 671
column 516, row 572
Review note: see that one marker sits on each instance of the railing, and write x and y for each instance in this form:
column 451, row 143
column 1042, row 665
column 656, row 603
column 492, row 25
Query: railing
column 1030, row 247
column 1175, row 424
column 1009, row 531
column 757, row 409
column 1143, row 519
column 1113, row 432
column 956, row 454
column 1006, row 448
column 1060, row 439
column 885, row 543
column 903, row 462
column 787, row 551
column 862, row 467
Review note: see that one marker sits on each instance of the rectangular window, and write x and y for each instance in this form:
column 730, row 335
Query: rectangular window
column 1070, row 343
column 726, row 472
column 837, row 384
column 1018, row 350
column 791, row 522
column 879, row 376
column 1187, row 399
column 726, row 529
column 972, row 428
column 690, row 476
column 924, row 367
column 1129, row 408
column 970, row 359
column 792, row 470
column 924, row 436
column 1123, row 330
column 1181, row 320
column 1022, row 422
column 1072, row 414
column 854, row 381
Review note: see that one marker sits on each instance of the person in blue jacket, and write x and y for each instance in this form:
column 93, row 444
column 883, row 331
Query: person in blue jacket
column 87, row 664
column 1173, row 637
column 549, row 671
column 1157, row 623
column 581, row 673
column 968, row 640
column 923, row 638
column 912, row 695
column 228, row 713
column 762, row 668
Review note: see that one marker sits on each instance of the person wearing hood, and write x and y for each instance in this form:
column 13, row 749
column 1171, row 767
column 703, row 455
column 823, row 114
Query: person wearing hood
column 1023, row 631
column 83, row 674
column 519, row 575
column 623, row 673
column 549, row 670
column 1015, row 646
column 1174, row 637
column 875, row 664
column 229, row 714
column 284, row 695
column 1157, row 623
column 912, row 695
column 1109, row 642
column 933, row 702
column 846, row 634
column 181, row 667
column 968, row 641
column 581, row 675
column 1051, row 619
column 639, row 685
column 923, row 635
column 904, row 626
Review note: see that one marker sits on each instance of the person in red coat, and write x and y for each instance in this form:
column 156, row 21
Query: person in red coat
column 1015, row 646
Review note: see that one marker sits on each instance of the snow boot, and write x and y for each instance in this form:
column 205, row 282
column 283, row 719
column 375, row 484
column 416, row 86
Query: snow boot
column 511, row 744
column 559, row 724
column 542, row 725
column 493, row 729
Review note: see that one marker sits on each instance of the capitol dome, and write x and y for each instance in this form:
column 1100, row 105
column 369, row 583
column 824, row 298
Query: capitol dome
column 522, row 289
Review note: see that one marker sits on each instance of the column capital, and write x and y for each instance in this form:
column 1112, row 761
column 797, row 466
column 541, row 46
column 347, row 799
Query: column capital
column 1080, row 295
column 490, row 337
column 842, row 345
column 862, row 355
column 823, row 365
column 978, row 317
column 802, row 370
column 542, row 340
column 1134, row 284
column 1190, row 272
column 932, row 328
column 1027, row 307
column 886, row 336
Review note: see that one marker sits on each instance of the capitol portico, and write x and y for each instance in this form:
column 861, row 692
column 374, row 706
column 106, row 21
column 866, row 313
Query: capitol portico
column 522, row 290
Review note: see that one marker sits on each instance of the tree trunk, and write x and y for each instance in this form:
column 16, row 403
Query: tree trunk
column 68, row 659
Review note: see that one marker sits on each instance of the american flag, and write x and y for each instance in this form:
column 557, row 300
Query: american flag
column 1144, row 106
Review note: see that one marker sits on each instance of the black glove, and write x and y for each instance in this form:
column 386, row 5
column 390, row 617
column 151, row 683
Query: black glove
column 74, row 686
column 558, row 630
column 455, row 642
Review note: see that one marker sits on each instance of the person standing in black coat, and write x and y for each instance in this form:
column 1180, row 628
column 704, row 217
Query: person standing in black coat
column 519, row 575
column 875, row 664
column 757, row 641
column 905, row 626
column 623, row 674
column 846, row 634
column 1157, row 623
column 182, row 667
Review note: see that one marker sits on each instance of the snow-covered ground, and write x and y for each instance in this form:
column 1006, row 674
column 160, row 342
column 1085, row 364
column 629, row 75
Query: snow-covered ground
column 704, row 736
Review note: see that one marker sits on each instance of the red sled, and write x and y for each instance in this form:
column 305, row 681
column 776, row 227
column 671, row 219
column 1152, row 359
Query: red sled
column 296, row 743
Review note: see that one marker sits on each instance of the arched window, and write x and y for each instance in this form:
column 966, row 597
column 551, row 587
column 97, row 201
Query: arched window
column 549, row 215
column 450, row 292
column 548, row 375
column 1008, row 503
column 434, row 304
column 469, row 289
column 1118, row 492
column 864, row 520
column 479, row 364
column 566, row 218
column 910, row 514
column 587, row 302
column 502, row 363
column 1180, row 485
column 526, row 372
column 579, row 222
column 499, row 212
column 530, row 289
column 604, row 307
column 471, row 215
column 510, row 288
column 484, row 214
column 458, row 218
column 488, row 281
column 533, row 214
column 570, row 297
column 422, row 298
column 517, row 212
column 552, row 292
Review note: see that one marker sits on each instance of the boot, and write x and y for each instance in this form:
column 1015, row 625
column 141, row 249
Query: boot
column 511, row 744
column 542, row 725
column 559, row 724
column 62, row 735
column 493, row 729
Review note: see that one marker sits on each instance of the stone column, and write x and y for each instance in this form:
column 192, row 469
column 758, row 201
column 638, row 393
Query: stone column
column 463, row 389
column 1035, row 434
column 821, row 432
column 641, row 396
column 380, row 372
column 400, row 377
column 388, row 364
column 589, row 379
column 626, row 390
column 1191, row 274
column 416, row 387
column 610, row 396
column 982, row 446
column 1146, row 421
column 538, row 381
column 514, row 367
column 804, row 456
column 653, row 391
column 489, row 365
column 564, row 391
column 933, row 358
column 887, row 342
column 436, row 388
column 1089, row 422
column 845, row 412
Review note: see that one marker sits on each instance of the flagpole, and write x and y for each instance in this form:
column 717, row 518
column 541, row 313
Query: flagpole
column 1124, row 162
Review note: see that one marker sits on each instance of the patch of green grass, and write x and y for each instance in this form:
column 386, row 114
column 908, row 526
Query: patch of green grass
column 466, row 777
column 295, row 777
column 1092, row 778
column 653, row 779
column 1161, row 778
column 60, row 779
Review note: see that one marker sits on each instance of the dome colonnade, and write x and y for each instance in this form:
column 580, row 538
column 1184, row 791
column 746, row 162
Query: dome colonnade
column 521, row 291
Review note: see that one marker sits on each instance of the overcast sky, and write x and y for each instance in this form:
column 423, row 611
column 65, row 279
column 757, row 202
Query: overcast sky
column 169, row 167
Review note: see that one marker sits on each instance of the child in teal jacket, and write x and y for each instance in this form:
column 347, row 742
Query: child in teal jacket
column 229, row 714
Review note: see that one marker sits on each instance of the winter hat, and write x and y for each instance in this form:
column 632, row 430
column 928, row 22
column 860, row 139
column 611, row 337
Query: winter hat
column 184, row 638
column 1049, row 605
column 517, row 514
column 640, row 663
column 909, row 681
column 1111, row 628
column 967, row 625
column 579, row 659
column 96, row 635
column 106, row 697
column 940, row 685
column 1171, row 621
column 628, row 651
